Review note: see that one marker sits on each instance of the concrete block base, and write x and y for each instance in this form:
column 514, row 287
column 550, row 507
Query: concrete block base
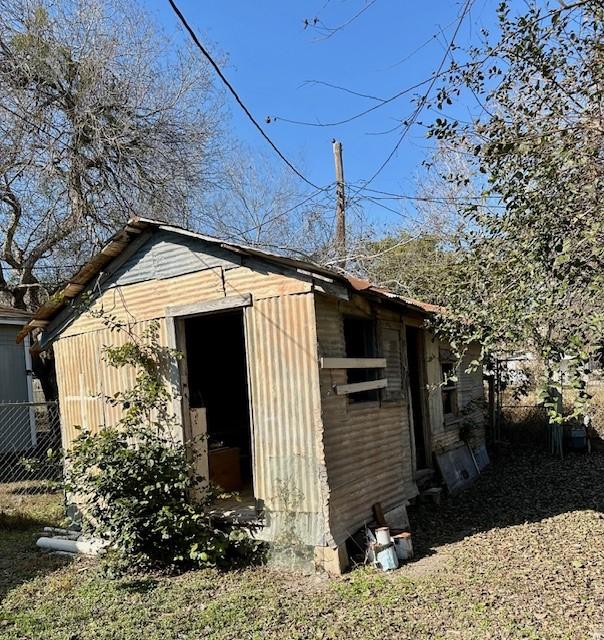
column 333, row 561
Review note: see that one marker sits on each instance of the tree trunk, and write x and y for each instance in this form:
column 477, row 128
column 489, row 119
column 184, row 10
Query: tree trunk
column 43, row 366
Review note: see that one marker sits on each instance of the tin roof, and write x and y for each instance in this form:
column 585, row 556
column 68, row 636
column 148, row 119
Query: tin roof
column 135, row 226
column 13, row 314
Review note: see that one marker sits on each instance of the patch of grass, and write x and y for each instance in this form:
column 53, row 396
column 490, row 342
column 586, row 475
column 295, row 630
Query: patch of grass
column 519, row 555
column 30, row 503
column 25, row 507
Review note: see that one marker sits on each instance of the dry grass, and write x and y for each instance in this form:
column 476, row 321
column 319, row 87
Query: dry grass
column 519, row 555
column 29, row 503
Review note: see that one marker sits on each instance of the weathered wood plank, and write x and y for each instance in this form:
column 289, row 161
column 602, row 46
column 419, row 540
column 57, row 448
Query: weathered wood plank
column 345, row 389
column 353, row 363
column 219, row 304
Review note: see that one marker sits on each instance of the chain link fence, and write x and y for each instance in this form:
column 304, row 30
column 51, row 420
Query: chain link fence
column 519, row 415
column 30, row 449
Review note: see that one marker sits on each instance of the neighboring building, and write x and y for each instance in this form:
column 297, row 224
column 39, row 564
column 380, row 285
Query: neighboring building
column 17, row 427
column 321, row 394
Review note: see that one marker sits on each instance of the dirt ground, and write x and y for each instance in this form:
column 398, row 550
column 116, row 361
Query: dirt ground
column 518, row 555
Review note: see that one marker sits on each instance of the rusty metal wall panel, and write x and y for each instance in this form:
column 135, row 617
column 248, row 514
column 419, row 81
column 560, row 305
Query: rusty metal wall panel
column 84, row 379
column 289, row 470
column 147, row 300
column 283, row 367
column 367, row 445
column 267, row 283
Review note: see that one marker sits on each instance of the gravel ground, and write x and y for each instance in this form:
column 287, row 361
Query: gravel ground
column 518, row 555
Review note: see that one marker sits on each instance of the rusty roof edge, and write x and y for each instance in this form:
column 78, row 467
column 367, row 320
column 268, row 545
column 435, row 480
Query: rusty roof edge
column 136, row 225
column 357, row 284
column 112, row 248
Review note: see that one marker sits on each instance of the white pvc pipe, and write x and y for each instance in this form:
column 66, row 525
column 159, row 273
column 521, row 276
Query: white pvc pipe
column 87, row 547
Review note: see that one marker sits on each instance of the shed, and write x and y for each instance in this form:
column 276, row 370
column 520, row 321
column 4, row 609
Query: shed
column 320, row 393
column 17, row 429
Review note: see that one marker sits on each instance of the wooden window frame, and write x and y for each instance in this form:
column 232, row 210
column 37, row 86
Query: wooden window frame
column 450, row 388
column 356, row 389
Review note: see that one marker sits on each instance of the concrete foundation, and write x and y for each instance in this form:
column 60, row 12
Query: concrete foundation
column 333, row 561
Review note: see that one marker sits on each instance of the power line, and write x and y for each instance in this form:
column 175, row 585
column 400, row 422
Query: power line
column 403, row 196
column 392, row 98
column 345, row 89
column 424, row 98
column 360, row 114
column 230, row 87
column 439, row 72
column 281, row 214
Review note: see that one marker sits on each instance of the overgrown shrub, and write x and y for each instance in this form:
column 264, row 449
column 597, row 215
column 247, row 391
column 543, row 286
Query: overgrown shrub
column 134, row 482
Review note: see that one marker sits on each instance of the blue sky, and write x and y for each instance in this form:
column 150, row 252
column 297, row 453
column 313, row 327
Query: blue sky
column 271, row 57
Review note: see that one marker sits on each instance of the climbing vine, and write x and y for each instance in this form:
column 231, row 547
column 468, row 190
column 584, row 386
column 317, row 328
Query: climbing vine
column 134, row 483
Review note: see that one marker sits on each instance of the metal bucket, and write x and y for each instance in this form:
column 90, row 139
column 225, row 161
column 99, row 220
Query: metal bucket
column 386, row 557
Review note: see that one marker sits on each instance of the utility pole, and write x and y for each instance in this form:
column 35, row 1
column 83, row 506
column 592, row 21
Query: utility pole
column 340, row 238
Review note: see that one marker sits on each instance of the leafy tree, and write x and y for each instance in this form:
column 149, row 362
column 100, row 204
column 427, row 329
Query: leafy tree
column 529, row 269
column 101, row 117
column 415, row 266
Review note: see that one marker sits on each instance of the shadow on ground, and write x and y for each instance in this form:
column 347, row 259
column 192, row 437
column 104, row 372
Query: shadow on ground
column 20, row 560
column 37, row 489
column 24, row 511
column 523, row 485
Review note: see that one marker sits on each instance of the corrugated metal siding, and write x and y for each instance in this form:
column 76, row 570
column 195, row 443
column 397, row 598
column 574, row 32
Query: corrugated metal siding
column 367, row 446
column 147, row 300
column 167, row 254
column 263, row 281
column 283, row 365
column 84, row 379
column 392, row 340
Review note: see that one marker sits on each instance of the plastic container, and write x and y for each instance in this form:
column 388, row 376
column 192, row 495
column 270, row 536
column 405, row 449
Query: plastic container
column 578, row 438
column 382, row 535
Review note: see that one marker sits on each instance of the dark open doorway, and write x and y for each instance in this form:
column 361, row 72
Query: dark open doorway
column 217, row 379
column 415, row 353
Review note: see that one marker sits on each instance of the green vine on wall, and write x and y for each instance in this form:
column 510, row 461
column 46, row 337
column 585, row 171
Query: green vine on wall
column 134, row 482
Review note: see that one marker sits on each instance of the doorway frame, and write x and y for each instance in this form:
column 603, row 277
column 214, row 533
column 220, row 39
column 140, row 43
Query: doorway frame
column 428, row 462
column 179, row 375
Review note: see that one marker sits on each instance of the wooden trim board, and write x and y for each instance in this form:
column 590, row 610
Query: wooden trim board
column 209, row 306
column 353, row 363
column 345, row 389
